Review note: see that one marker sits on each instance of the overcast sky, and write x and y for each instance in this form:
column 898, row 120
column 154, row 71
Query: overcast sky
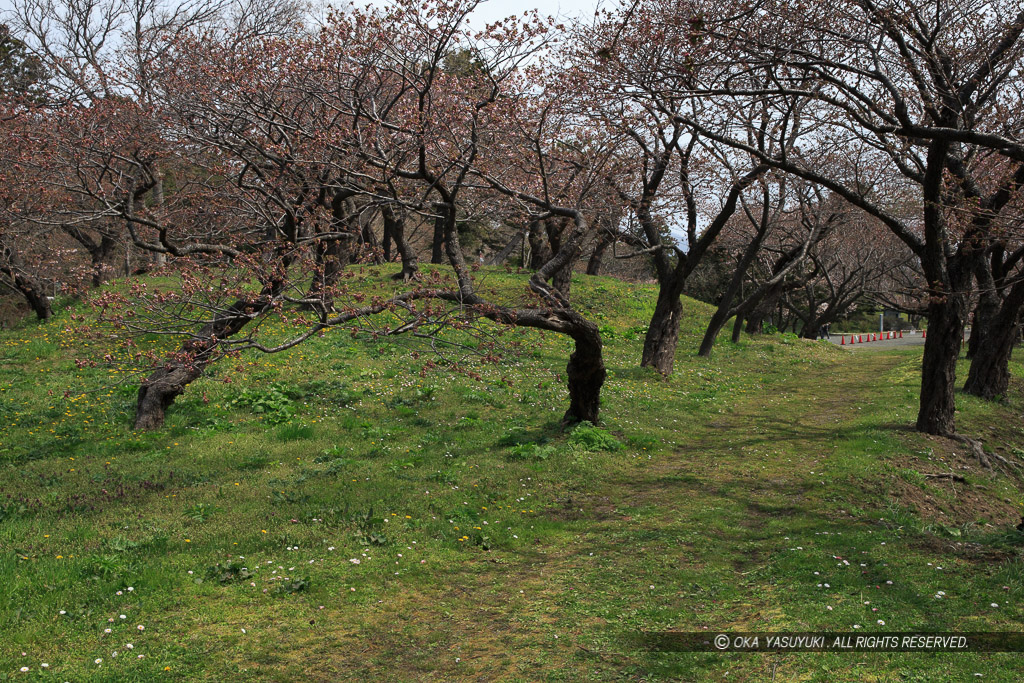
column 490, row 10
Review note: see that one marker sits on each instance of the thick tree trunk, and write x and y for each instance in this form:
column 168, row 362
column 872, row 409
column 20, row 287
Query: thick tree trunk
column 159, row 390
column 662, row 336
column 394, row 226
column 437, row 245
column 594, row 264
column 989, row 375
column 586, row 374
column 585, row 370
column 936, row 414
column 811, row 327
column 985, row 313
column 165, row 384
column 327, row 263
column 737, row 327
column 507, row 250
column 539, row 251
column 948, row 277
column 29, row 287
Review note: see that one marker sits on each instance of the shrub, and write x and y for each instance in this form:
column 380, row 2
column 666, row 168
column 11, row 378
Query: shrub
column 591, row 438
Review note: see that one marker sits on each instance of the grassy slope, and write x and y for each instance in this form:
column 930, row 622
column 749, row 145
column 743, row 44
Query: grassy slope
column 490, row 545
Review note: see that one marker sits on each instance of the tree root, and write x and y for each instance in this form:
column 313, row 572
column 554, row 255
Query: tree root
column 947, row 475
column 986, row 459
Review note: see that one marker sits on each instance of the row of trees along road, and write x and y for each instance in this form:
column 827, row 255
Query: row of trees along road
column 824, row 152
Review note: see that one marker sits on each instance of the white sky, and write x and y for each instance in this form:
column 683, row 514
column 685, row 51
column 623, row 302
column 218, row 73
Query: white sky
column 492, row 10
column 489, row 11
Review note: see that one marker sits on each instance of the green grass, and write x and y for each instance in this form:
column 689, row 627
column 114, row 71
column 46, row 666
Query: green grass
column 490, row 544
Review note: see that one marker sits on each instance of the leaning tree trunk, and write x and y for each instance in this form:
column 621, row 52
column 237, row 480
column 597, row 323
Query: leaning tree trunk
column 29, row 287
column 989, row 375
column 737, row 327
column 662, row 336
column 585, row 370
column 165, row 384
column 159, row 390
column 512, row 245
column 596, row 258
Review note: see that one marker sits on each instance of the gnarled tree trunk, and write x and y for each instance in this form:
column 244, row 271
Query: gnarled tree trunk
column 662, row 336
column 29, row 287
column 165, row 384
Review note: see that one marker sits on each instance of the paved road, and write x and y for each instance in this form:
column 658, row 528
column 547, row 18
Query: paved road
column 909, row 339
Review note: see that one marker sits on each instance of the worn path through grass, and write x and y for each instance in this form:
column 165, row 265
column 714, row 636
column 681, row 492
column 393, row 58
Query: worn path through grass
column 747, row 527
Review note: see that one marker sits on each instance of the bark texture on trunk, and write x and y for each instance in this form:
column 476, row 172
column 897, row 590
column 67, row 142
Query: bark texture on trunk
column 936, row 414
column 594, row 264
column 394, row 226
column 507, row 250
column 437, row 245
column 737, row 328
column 989, row 374
column 586, row 374
column 28, row 286
column 539, row 251
column 662, row 336
column 165, row 384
